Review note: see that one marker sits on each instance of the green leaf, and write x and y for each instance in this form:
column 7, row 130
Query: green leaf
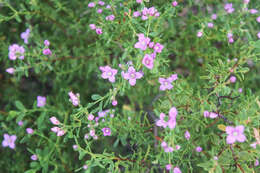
column 95, row 97
column 19, row 105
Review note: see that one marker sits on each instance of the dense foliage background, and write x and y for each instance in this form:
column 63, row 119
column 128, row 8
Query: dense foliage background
column 212, row 46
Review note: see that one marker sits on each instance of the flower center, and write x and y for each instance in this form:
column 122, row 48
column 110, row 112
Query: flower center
column 165, row 83
column 147, row 61
column 109, row 73
column 235, row 133
column 132, row 75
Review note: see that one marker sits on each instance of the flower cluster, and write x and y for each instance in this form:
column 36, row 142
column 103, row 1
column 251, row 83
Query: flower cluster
column 211, row 115
column 93, row 27
column 171, row 123
column 46, row 50
column 59, row 131
column 16, row 51
column 146, row 12
column 229, row 8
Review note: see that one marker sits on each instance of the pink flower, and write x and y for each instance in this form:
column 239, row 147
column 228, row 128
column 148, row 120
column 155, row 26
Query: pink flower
column 253, row 11
column 240, row 90
column 9, row 141
column 91, row 5
column 161, row 122
column 166, row 83
column 246, row 1
column 106, row 131
column 108, row 73
column 187, row 135
column 41, row 101
column 16, row 51
column 228, row 7
column 99, row 31
column 256, row 162
column 34, row 157
column 54, row 121
column 235, row 134
column 176, row 170
column 136, row 14
column 114, row 102
column 29, row 131
column 230, row 40
column 46, row 51
column 258, row 19
column 99, row 10
column 258, row 35
column 101, row 3
column 168, row 167
column 46, row 42
column 158, row 48
column 148, row 61
column 206, row 114
column 20, row 123
column 60, row 132
column 171, row 121
column 25, row 35
column 214, row 16
column 174, row 3
column 110, row 17
column 198, row 149
column 139, row 1
column 132, row 75
column 91, row 117
column 210, row 25
column 213, row 115
column 177, row 147
column 10, row 70
column 74, row 98
column 85, row 167
column 142, row 42
column 232, row 79
column 55, row 129
column 199, row 34
column 92, row 26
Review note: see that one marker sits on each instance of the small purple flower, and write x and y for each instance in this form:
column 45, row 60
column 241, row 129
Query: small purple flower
column 29, row 131
column 176, row 170
column 213, row 115
column 240, row 90
column 258, row 35
column 258, row 19
column 139, row 1
column 101, row 3
column 114, row 102
column 10, row 70
column 60, row 132
column 110, row 17
column 41, row 101
column 99, row 10
column 206, row 114
column 187, row 135
column 108, row 73
column 91, row 5
column 20, row 123
column 256, row 162
column 91, row 117
column 9, row 141
column 92, row 26
column 161, row 122
column 25, row 35
column 136, row 14
column 106, row 131
column 232, row 79
column 46, row 42
column 177, row 147
column 246, row 1
column 74, row 98
column 168, row 167
column 174, row 3
column 253, row 11
column 99, row 31
column 230, row 40
column 158, row 48
column 34, row 157
column 16, row 51
column 198, row 149
column 54, row 121
column 75, row 147
column 46, row 51
column 210, row 25
column 108, row 7
column 55, row 129
column 235, row 134
column 132, row 75
column 92, row 132
column 166, row 83
column 214, row 16
column 199, row 34
column 85, row 167
column 148, row 61
column 229, row 8
column 142, row 42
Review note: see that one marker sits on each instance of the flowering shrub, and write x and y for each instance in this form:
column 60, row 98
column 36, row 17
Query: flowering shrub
column 130, row 86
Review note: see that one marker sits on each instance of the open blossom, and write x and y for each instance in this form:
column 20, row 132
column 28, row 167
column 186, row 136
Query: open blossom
column 176, row 170
column 41, row 101
column 232, row 79
column 34, row 157
column 25, row 35
column 174, row 3
column 253, row 11
column 29, row 131
column 91, row 117
column 229, row 8
column 132, row 75
column 214, row 16
column 74, row 98
column 91, row 5
column 101, row 3
column 46, row 51
column 166, row 83
column 235, row 134
column 166, row 148
column 10, row 70
column 16, row 51
column 20, row 123
column 99, row 31
column 142, row 42
column 198, row 149
column 108, row 73
column 9, row 141
column 158, row 48
column 199, row 34
column 161, row 122
column 92, row 26
column 110, row 17
column 99, row 10
column 210, row 25
column 58, row 131
column 171, row 123
column 187, row 135
column 106, row 131
column 148, row 61
column 136, row 14
column 46, row 42
column 213, row 115
column 168, row 167
column 54, row 121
